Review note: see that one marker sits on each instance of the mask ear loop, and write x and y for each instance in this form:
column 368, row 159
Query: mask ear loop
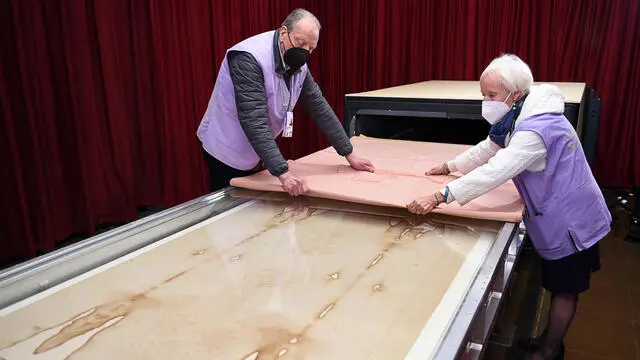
column 289, row 36
column 505, row 100
column 282, row 42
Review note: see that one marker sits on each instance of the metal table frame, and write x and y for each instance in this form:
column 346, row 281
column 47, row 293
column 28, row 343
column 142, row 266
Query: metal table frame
column 34, row 276
column 468, row 332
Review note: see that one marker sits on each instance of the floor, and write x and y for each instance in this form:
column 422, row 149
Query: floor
column 607, row 323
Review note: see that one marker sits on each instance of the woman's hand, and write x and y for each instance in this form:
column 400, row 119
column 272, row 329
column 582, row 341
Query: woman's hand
column 439, row 170
column 425, row 204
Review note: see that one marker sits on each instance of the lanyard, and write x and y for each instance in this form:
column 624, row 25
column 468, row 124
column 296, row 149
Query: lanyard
column 282, row 86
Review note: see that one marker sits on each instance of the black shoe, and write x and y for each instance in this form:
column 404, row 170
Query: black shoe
column 530, row 346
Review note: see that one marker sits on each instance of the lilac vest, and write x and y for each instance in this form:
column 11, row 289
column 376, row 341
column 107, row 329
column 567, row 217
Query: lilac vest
column 220, row 131
column 565, row 209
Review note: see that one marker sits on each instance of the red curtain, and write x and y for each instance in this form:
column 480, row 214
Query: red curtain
column 100, row 100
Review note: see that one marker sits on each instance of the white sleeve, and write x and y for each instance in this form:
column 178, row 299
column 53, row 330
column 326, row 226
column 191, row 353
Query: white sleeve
column 523, row 150
column 474, row 157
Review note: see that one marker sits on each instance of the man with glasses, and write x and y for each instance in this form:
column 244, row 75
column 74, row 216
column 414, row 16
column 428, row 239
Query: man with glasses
column 259, row 82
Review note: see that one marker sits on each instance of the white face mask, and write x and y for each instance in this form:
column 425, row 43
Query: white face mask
column 493, row 111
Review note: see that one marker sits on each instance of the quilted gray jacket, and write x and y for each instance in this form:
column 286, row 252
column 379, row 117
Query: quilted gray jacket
column 251, row 103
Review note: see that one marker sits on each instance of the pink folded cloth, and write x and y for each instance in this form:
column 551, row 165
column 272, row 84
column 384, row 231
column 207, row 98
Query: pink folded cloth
column 399, row 179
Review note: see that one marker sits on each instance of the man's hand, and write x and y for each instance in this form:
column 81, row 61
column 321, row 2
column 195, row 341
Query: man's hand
column 294, row 185
column 439, row 170
column 425, row 204
column 359, row 163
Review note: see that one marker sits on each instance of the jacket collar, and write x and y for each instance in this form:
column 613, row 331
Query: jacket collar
column 542, row 99
column 281, row 66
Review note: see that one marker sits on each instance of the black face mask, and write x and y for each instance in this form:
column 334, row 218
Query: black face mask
column 295, row 57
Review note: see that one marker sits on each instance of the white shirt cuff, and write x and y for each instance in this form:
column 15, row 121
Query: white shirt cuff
column 452, row 166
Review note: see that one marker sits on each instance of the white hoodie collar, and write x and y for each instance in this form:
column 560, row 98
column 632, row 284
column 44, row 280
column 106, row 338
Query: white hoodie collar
column 542, row 99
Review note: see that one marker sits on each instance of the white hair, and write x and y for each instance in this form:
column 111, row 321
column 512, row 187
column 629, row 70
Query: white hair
column 513, row 73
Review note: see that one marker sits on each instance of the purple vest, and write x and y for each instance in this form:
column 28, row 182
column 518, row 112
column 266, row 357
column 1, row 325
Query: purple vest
column 220, row 131
column 565, row 209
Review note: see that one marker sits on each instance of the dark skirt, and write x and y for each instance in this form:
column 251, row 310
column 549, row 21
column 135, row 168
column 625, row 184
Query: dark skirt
column 571, row 274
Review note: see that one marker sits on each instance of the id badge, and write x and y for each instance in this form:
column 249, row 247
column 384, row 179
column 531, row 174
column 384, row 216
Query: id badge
column 288, row 125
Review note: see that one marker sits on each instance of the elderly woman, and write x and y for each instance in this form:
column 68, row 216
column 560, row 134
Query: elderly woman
column 533, row 144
